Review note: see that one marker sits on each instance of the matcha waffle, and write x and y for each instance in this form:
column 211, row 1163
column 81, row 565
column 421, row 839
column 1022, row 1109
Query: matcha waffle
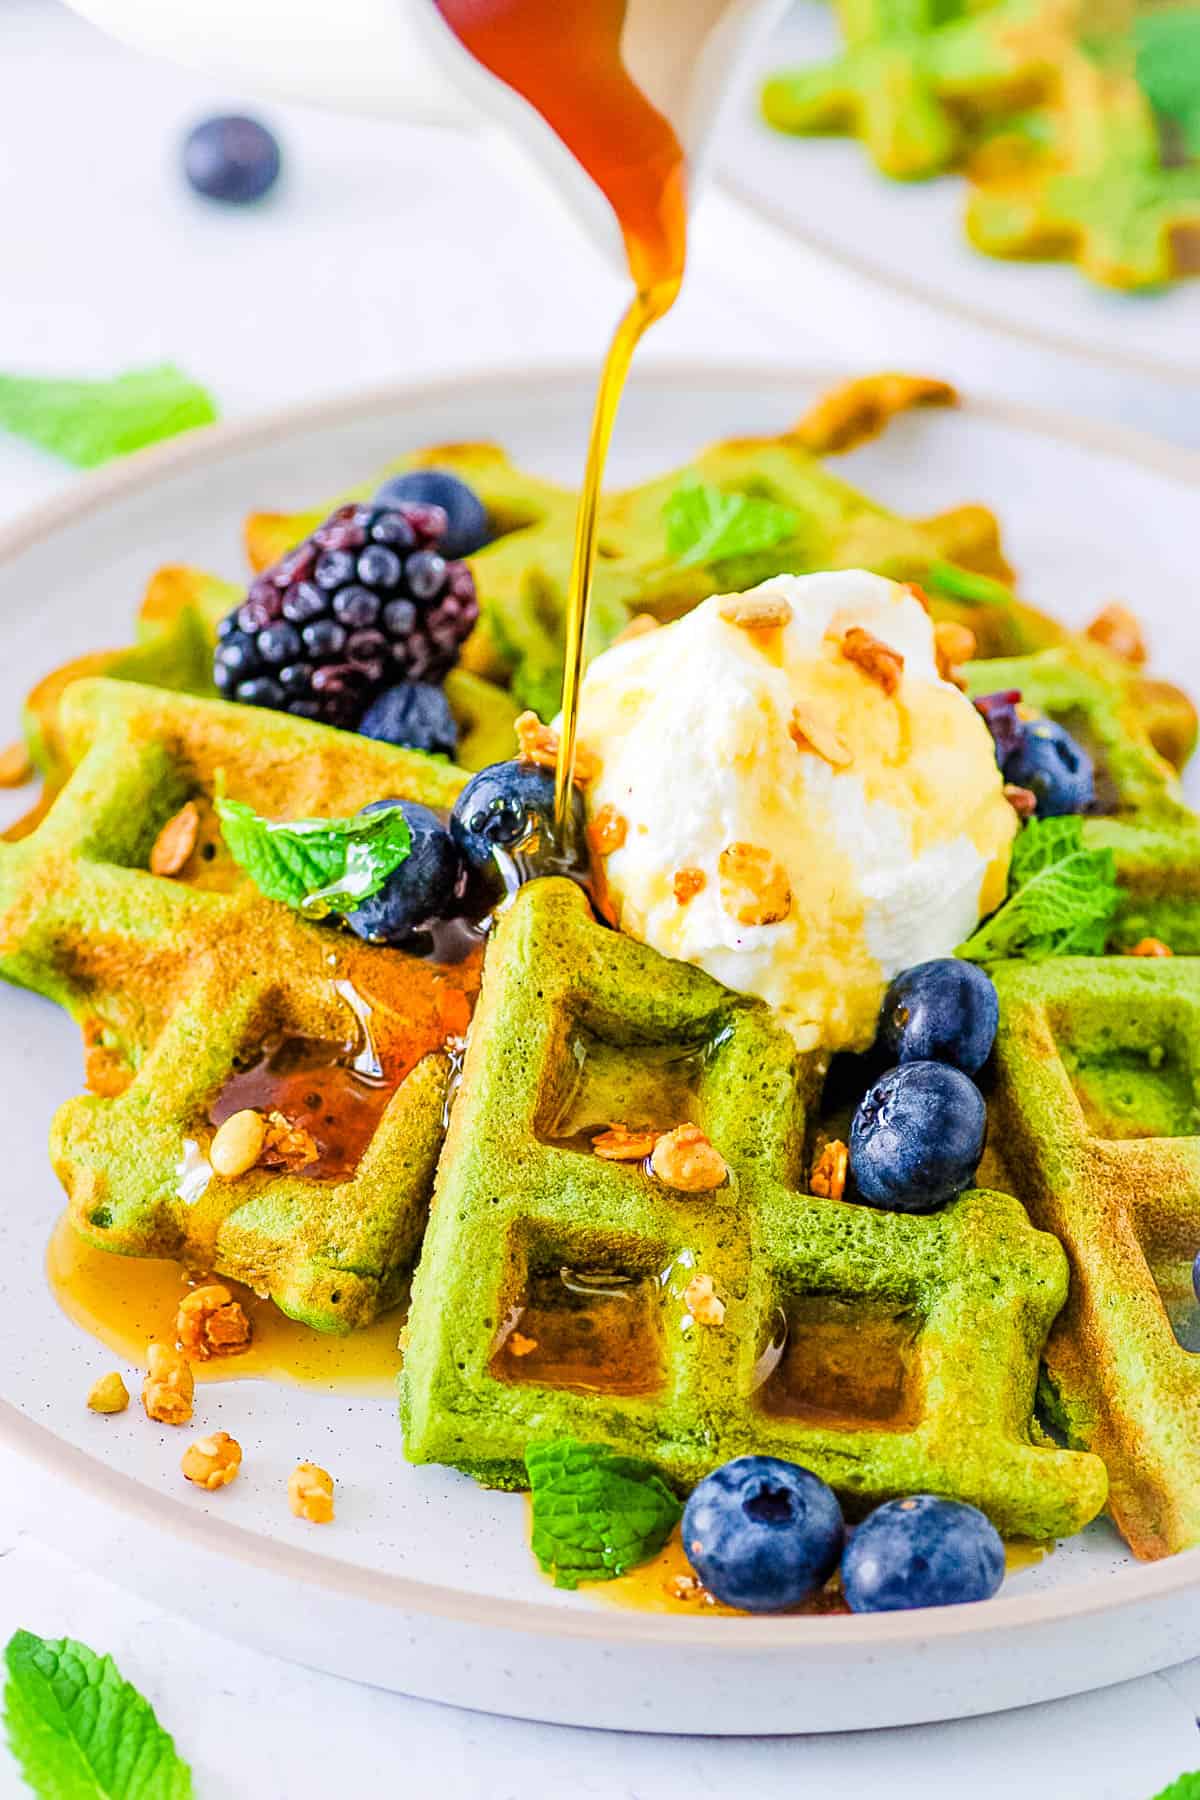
column 886, row 1353
column 190, row 987
column 1096, row 1096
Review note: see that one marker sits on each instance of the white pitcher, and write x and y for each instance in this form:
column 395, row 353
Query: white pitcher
column 400, row 59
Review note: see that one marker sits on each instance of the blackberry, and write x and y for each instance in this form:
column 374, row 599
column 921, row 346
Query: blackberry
column 363, row 604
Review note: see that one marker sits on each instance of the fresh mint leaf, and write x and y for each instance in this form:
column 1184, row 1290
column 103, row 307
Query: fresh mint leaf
column 595, row 1514
column 705, row 525
column 317, row 866
column 90, row 422
column 79, row 1731
column 1167, row 46
column 968, row 585
column 1187, row 1787
column 1062, row 898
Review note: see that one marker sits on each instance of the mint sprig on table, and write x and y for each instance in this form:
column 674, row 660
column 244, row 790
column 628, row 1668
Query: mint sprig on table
column 317, row 866
column 595, row 1514
column 90, row 422
column 80, row 1731
column 1062, row 898
column 706, row 525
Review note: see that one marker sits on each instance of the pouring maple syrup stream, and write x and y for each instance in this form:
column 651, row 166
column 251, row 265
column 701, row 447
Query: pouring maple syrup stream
column 577, row 80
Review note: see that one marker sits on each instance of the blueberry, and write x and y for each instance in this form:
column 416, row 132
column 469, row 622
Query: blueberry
column 917, row 1137
column 922, row 1551
column 468, row 527
column 763, row 1534
column 510, row 807
column 232, row 159
column 423, row 887
column 941, row 1011
column 1049, row 762
column 416, row 715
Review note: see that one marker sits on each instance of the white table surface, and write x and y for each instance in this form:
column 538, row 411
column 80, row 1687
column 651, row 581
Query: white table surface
column 390, row 253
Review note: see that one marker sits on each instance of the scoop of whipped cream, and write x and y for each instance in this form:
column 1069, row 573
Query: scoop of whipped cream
column 800, row 805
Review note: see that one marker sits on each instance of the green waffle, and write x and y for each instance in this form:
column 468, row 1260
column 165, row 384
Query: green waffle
column 181, row 979
column 578, row 1025
column 1097, row 1100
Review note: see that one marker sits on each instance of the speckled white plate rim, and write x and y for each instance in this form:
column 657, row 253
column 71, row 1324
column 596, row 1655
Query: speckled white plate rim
column 1127, row 1588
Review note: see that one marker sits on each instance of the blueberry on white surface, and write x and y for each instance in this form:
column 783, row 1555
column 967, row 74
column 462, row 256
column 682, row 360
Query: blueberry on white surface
column 945, row 1011
column 917, row 1137
column 468, row 527
column 762, row 1533
column 231, row 158
column 922, row 1551
column 423, row 887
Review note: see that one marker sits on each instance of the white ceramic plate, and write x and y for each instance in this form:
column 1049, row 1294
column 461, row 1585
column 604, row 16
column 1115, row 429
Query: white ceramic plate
column 1134, row 357
column 425, row 1583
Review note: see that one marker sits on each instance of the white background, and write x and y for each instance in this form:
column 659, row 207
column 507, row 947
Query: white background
column 389, row 253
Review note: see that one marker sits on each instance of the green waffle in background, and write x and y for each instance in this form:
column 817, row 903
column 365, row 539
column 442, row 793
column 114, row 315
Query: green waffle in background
column 956, row 1305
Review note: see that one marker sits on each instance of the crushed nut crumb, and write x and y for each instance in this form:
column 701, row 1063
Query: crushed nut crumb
column 690, row 1590
column 310, row 1493
column 809, row 729
column 756, row 612
column 238, row 1143
column 607, row 831
column 105, row 1070
column 169, row 1389
column 176, row 841
column 919, row 595
column 536, row 743
column 520, row 1345
column 109, row 1394
column 1150, row 946
column 1120, row 631
column 212, row 1462
column 754, row 887
column 700, row 1298
column 1022, row 800
column 686, row 1160
column 877, row 660
column 624, row 1143
column 16, row 766
column 638, row 626
column 210, row 1322
column 953, row 646
column 687, row 883
column 287, row 1145
column 828, row 1178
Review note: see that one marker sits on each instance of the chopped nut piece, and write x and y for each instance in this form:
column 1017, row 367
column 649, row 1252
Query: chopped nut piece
column 621, row 1143
column 310, row 1493
column 1120, row 631
column 953, row 646
column 169, row 1389
column 689, row 1588
column 687, row 884
column 109, row 1394
column 520, row 1345
column 1150, row 946
column 176, row 841
column 212, row 1462
column 684, row 1159
column 700, row 1298
column 16, row 767
column 210, row 1322
column 238, row 1143
column 919, row 595
column 754, row 887
column 287, row 1145
column 536, row 743
column 809, row 730
column 756, row 612
column 1022, row 800
column 828, row 1178
column 608, row 831
column 105, row 1070
column 877, row 660
column 638, row 626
